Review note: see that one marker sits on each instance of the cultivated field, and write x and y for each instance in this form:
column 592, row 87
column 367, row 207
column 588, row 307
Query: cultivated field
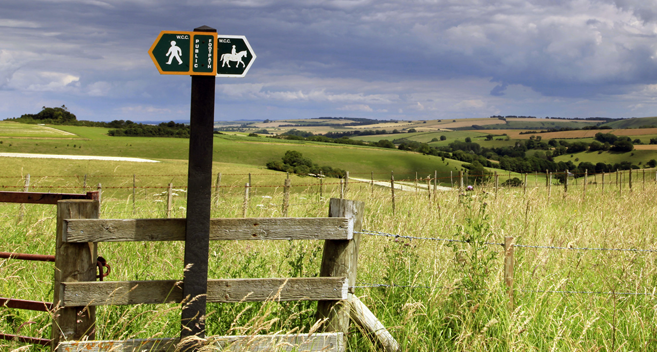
column 515, row 134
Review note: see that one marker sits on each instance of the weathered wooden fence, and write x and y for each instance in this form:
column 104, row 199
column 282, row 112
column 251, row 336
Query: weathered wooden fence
column 77, row 293
column 34, row 198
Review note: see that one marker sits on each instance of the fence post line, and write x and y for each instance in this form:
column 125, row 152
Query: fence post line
column 169, row 199
column 74, row 262
column 547, row 183
column 616, row 178
column 26, row 188
column 619, row 175
column 217, row 188
column 451, row 178
column 286, row 196
column 524, row 185
column 340, row 259
column 429, row 187
column 134, row 191
column 245, row 205
column 346, row 183
column 508, row 269
column 100, row 198
column 392, row 190
column 630, row 179
column 250, row 183
column 321, row 184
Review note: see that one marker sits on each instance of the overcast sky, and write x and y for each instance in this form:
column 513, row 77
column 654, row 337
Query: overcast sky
column 376, row 59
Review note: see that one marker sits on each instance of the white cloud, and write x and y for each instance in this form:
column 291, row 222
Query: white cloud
column 43, row 81
column 357, row 107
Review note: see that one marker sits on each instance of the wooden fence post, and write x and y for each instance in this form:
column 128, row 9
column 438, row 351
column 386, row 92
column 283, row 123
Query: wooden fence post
column 341, row 188
column 461, row 180
column 26, row 188
column 630, row 178
column 245, row 205
column 392, row 189
column 134, row 191
column 169, row 199
column 286, row 196
column 524, row 185
column 508, row 269
column 565, row 186
column 321, row 185
column 550, row 186
column 435, row 185
column 100, row 198
column 372, row 181
column 74, row 262
column 217, row 189
column 586, row 180
column 340, row 259
column 346, row 184
column 250, row 183
column 451, row 178
column 497, row 183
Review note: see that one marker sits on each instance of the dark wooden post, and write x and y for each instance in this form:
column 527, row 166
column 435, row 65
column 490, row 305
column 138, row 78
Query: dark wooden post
column 169, row 199
column 346, row 183
column 100, row 199
column 392, row 190
column 74, row 262
column 565, row 186
column 286, row 196
column 508, row 269
column 217, row 189
column 340, row 259
column 199, row 203
column 134, row 192
column 245, row 205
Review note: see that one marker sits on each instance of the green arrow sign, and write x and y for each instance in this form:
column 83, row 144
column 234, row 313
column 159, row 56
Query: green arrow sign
column 201, row 54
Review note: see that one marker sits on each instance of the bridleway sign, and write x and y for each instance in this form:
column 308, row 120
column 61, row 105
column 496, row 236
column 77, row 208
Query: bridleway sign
column 202, row 54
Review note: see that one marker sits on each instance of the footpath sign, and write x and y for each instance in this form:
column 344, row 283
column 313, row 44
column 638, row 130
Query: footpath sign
column 202, row 54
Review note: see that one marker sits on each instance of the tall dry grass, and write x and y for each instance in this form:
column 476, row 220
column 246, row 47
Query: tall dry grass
column 432, row 295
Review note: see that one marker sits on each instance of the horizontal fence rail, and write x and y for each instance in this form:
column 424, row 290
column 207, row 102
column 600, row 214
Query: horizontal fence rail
column 103, row 230
column 25, row 256
column 25, row 304
column 42, row 198
column 327, row 342
column 81, row 294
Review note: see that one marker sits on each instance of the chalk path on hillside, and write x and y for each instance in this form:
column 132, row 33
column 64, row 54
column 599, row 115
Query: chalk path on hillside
column 76, row 157
column 403, row 186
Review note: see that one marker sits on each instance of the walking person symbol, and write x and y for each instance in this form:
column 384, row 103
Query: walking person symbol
column 174, row 51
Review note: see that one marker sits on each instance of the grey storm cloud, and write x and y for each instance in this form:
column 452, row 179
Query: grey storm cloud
column 322, row 57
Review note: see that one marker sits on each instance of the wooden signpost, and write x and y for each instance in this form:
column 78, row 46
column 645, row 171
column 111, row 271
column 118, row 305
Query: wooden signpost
column 203, row 54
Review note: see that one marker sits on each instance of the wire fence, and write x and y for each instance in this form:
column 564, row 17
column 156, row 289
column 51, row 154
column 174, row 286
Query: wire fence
column 397, row 236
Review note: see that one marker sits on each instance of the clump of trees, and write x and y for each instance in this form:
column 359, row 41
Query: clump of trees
column 164, row 129
column 294, row 162
column 53, row 116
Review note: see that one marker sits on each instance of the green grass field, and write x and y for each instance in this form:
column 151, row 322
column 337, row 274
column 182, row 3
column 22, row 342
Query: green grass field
column 633, row 122
column 253, row 151
column 15, row 129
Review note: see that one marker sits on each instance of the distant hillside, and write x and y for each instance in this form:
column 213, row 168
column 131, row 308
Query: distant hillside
column 635, row 122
